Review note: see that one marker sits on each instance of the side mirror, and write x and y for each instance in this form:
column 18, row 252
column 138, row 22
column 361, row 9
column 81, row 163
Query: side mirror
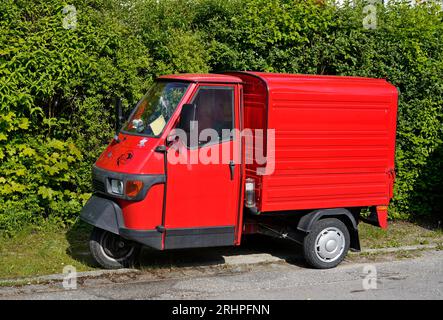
column 187, row 115
column 171, row 138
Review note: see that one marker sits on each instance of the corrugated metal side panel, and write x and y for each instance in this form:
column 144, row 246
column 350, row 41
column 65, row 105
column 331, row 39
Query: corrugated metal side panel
column 335, row 141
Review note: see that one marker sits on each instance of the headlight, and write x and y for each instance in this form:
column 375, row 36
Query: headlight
column 117, row 186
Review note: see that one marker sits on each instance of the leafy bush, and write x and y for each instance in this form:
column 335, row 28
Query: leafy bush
column 41, row 177
column 57, row 85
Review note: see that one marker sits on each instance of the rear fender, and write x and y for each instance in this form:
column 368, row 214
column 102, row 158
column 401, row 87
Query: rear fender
column 306, row 223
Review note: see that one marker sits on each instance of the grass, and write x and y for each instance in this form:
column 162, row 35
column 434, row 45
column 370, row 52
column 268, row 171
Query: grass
column 370, row 257
column 47, row 250
column 44, row 250
column 399, row 233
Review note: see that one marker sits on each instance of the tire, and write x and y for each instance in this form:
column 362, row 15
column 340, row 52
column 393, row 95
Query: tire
column 112, row 251
column 327, row 244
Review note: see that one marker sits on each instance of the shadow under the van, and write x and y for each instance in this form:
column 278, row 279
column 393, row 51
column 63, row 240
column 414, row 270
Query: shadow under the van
column 78, row 237
column 253, row 244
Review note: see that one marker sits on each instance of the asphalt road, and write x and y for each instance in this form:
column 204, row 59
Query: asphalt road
column 415, row 278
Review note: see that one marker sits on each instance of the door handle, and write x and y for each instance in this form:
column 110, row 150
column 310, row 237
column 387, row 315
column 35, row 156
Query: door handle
column 231, row 169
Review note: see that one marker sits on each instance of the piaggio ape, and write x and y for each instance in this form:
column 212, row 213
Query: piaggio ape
column 326, row 149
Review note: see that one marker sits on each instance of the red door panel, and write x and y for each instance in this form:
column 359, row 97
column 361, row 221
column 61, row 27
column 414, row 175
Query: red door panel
column 201, row 195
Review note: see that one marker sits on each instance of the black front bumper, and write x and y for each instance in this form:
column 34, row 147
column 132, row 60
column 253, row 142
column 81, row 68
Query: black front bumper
column 106, row 214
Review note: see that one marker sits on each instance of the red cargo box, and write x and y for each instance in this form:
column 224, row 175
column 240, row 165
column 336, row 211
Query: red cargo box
column 334, row 139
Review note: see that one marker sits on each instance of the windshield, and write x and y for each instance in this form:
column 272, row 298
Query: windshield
column 154, row 110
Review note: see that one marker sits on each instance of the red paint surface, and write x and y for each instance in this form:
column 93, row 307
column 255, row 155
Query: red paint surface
column 335, row 139
column 145, row 214
column 203, row 195
column 382, row 216
column 335, row 142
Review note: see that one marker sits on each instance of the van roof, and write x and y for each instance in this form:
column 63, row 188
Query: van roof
column 283, row 81
column 269, row 76
column 203, row 77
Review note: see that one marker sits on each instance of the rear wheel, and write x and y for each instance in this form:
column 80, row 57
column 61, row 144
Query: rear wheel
column 112, row 251
column 327, row 244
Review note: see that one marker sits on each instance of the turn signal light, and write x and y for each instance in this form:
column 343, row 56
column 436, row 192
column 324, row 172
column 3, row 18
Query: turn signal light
column 133, row 187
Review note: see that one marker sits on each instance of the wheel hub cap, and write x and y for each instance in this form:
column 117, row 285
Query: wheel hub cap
column 329, row 244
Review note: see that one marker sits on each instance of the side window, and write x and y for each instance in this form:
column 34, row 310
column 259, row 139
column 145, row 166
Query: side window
column 214, row 111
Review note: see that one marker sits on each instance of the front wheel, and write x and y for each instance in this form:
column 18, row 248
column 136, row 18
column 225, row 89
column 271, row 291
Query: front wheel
column 327, row 244
column 112, row 251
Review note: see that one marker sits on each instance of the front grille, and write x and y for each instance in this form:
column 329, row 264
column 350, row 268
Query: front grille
column 98, row 185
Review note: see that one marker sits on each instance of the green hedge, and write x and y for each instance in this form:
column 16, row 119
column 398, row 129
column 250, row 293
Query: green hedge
column 57, row 85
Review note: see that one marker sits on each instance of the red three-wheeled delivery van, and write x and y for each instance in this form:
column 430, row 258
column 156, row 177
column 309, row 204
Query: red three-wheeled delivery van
column 206, row 158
